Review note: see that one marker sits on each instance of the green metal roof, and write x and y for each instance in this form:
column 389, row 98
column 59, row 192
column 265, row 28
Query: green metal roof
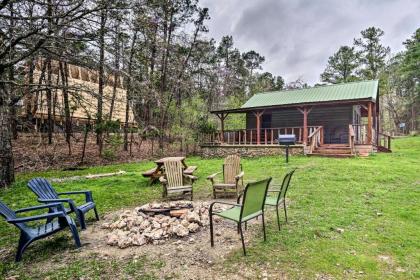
column 338, row 92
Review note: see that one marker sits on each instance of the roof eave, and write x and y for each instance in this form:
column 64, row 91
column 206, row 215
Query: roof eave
column 295, row 105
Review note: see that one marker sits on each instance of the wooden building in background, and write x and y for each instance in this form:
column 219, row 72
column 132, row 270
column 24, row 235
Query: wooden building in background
column 338, row 120
column 83, row 91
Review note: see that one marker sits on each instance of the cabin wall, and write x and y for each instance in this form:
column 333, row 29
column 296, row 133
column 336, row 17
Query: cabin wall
column 335, row 120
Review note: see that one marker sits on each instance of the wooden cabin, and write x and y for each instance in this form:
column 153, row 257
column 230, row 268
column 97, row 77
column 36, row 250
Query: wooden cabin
column 339, row 120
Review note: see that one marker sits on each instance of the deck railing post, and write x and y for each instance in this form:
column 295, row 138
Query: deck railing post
column 272, row 136
column 369, row 128
column 265, row 136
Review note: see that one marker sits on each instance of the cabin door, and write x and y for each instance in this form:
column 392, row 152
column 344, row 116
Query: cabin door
column 336, row 134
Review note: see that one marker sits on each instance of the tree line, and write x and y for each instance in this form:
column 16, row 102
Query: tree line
column 398, row 75
column 157, row 49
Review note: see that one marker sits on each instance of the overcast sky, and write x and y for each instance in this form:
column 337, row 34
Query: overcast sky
column 297, row 36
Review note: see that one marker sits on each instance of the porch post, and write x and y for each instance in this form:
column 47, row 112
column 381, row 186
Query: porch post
column 258, row 117
column 222, row 118
column 305, row 111
column 369, row 126
column 305, row 125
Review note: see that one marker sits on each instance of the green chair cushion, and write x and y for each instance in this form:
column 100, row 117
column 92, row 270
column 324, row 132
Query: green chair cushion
column 231, row 214
column 234, row 214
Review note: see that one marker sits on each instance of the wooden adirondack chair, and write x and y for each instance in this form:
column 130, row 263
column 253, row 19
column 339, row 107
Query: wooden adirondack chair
column 232, row 177
column 175, row 181
column 47, row 194
column 252, row 207
column 279, row 199
column 30, row 234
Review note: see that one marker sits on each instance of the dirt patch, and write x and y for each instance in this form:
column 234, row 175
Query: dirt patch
column 189, row 257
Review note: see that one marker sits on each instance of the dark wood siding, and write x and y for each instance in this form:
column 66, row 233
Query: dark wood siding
column 335, row 121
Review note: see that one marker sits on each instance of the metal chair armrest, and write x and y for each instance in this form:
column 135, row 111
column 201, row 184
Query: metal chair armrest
column 222, row 202
column 239, row 197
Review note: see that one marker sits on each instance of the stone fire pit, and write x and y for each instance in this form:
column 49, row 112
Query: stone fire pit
column 157, row 222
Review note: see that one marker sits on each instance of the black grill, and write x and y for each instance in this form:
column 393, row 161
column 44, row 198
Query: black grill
column 286, row 140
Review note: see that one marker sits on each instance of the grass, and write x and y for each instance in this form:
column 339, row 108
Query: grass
column 374, row 200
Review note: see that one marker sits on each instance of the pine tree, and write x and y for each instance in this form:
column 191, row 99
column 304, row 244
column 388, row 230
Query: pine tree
column 372, row 52
column 341, row 66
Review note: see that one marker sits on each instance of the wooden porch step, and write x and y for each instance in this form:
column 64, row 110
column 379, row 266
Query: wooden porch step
column 333, row 151
column 334, row 146
column 331, row 155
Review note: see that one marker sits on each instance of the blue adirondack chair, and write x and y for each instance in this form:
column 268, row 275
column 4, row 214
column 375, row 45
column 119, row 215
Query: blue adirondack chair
column 46, row 194
column 30, row 234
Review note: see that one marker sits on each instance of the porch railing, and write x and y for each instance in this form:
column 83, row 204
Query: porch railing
column 268, row 136
column 384, row 141
column 361, row 134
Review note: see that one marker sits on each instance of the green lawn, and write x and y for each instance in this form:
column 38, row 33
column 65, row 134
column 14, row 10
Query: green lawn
column 375, row 200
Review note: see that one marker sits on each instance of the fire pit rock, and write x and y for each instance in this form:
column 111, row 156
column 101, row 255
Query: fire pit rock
column 156, row 222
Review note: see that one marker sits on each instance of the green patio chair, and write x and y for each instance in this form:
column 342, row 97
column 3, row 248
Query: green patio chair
column 280, row 198
column 252, row 207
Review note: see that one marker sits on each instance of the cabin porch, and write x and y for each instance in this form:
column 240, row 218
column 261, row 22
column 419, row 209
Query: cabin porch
column 340, row 130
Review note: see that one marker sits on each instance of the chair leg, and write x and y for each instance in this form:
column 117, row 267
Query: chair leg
column 74, row 232
column 211, row 229
column 96, row 213
column 49, row 220
column 285, row 209
column 263, row 223
column 278, row 216
column 242, row 238
column 81, row 218
column 23, row 244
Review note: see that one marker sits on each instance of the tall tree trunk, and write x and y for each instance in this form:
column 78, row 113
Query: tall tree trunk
column 116, row 71
column 101, row 79
column 28, row 94
column 67, row 117
column 167, row 30
column 49, row 78
column 128, row 94
column 49, row 101
column 7, row 171
column 148, row 110
column 85, row 138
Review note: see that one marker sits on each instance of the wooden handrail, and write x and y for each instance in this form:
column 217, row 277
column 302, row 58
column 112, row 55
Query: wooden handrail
column 387, row 140
column 314, row 132
column 315, row 139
